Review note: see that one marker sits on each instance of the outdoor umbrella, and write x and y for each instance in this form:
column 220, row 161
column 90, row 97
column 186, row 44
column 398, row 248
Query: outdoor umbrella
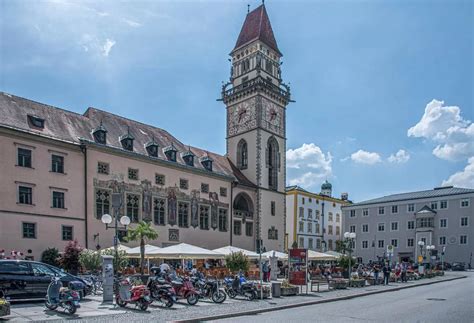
column 274, row 253
column 121, row 247
column 185, row 251
column 135, row 252
column 227, row 250
column 314, row 255
column 334, row 253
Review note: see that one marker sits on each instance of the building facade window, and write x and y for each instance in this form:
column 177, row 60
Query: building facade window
column 310, row 213
column 317, row 226
column 365, row 212
column 133, row 174
column 248, row 229
column 103, row 168
column 204, row 217
column 411, row 225
column 394, row 209
column 242, row 154
column 272, row 208
column 381, row 243
column 381, row 227
column 301, row 226
column 411, row 207
column 395, row 243
column 310, row 228
column 338, row 217
column 183, row 215
column 381, row 210
column 223, row 220
column 133, row 207
column 24, row 157
column 273, row 163
column 330, row 217
column 443, row 204
column 58, row 200
column 465, row 203
column 237, row 228
column 204, row 188
column 352, row 228
column 183, row 184
column 394, row 226
column 29, row 230
column 434, row 205
column 330, row 229
column 365, row 228
column 443, row 223
column 57, row 164
column 301, row 212
column 301, row 244
column 425, row 223
column 410, row 242
column 272, row 233
column 102, row 203
column 159, row 211
column 330, row 246
column 365, row 244
column 338, row 230
column 310, row 243
column 464, row 222
column 160, row 179
column 25, row 195
column 442, row 241
column 353, row 213
column 223, row 191
column 67, row 233
column 463, row 239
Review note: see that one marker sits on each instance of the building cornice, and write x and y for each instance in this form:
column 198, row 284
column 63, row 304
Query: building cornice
column 318, row 196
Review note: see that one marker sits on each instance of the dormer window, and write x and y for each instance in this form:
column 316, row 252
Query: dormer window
column 188, row 157
column 36, row 122
column 127, row 140
column 206, row 162
column 152, row 148
column 100, row 134
column 170, row 152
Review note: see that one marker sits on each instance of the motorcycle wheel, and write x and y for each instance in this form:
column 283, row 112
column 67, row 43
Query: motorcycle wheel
column 192, row 299
column 120, row 302
column 168, row 301
column 70, row 308
column 252, row 295
column 231, row 293
column 50, row 306
column 218, row 297
column 143, row 305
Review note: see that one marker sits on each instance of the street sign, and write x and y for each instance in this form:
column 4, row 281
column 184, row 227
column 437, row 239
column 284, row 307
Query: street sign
column 390, row 249
column 420, row 259
column 298, row 262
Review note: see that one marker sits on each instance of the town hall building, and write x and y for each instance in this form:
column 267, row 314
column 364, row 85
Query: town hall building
column 59, row 169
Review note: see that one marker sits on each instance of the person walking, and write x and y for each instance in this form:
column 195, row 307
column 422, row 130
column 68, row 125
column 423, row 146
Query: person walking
column 386, row 273
column 404, row 272
column 265, row 271
column 376, row 274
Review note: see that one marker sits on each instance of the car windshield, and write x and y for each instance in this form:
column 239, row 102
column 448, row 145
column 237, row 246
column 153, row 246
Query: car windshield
column 58, row 271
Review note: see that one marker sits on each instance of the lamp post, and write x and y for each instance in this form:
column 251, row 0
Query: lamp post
column 349, row 240
column 124, row 220
column 421, row 244
column 430, row 249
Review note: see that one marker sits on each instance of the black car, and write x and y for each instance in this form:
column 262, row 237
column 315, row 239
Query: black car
column 458, row 266
column 24, row 279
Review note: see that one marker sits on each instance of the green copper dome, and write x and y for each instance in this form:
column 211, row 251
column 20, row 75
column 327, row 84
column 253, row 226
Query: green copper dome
column 326, row 186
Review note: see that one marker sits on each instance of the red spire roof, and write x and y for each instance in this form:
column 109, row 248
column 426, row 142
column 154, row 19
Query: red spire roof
column 257, row 26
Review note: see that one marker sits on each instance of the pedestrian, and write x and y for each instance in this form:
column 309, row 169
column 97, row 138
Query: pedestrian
column 376, row 271
column 404, row 272
column 265, row 271
column 386, row 273
column 269, row 272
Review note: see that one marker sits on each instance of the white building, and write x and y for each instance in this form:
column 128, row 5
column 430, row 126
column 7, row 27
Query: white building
column 314, row 221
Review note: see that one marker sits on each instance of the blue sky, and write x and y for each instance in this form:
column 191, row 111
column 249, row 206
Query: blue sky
column 383, row 89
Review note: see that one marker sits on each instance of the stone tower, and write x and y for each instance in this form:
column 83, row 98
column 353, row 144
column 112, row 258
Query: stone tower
column 256, row 100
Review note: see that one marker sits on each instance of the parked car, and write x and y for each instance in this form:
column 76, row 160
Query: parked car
column 24, row 279
column 458, row 266
column 445, row 266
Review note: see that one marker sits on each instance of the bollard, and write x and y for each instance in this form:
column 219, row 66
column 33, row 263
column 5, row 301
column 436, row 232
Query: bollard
column 108, row 279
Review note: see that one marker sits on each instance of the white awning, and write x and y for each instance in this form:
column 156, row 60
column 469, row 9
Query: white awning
column 277, row 254
column 227, row 250
column 121, row 247
column 185, row 251
column 135, row 252
column 314, row 255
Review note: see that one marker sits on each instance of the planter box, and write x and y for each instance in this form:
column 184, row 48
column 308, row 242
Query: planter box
column 357, row 283
column 339, row 284
column 289, row 291
column 4, row 307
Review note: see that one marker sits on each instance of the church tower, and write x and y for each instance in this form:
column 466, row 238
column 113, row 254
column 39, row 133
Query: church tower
column 256, row 100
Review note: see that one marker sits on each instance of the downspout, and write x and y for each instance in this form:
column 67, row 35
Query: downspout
column 86, row 229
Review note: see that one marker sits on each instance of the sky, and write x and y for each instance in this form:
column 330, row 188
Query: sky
column 383, row 89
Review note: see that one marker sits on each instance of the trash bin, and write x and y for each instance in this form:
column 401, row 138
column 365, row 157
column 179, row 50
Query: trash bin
column 276, row 289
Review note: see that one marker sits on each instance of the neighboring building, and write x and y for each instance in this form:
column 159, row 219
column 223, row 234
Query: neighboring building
column 59, row 168
column 441, row 217
column 314, row 221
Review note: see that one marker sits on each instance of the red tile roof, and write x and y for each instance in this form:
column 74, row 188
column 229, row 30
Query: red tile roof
column 257, row 26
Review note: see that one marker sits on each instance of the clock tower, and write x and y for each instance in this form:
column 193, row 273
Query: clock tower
column 256, row 100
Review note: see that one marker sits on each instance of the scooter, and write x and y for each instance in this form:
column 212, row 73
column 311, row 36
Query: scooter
column 241, row 288
column 209, row 289
column 59, row 296
column 125, row 294
column 185, row 289
column 161, row 291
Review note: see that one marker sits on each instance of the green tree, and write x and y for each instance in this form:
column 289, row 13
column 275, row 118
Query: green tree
column 294, row 245
column 120, row 260
column 344, row 262
column 51, row 257
column 90, row 260
column 70, row 257
column 340, row 246
column 237, row 261
column 142, row 232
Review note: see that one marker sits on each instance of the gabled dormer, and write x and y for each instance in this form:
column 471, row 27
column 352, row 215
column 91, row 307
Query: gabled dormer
column 188, row 157
column 206, row 162
column 100, row 134
column 170, row 152
column 152, row 148
column 36, row 122
column 127, row 140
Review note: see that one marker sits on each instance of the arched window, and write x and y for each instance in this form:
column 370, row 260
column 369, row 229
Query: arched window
column 273, row 162
column 242, row 154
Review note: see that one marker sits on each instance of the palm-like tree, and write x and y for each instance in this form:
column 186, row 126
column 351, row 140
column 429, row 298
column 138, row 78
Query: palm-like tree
column 143, row 231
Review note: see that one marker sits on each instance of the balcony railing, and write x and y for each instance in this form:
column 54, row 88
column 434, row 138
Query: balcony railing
column 258, row 82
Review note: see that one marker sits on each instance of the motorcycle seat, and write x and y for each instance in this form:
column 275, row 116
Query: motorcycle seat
column 177, row 283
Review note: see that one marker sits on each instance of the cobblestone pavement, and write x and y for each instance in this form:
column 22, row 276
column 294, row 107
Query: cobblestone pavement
column 92, row 309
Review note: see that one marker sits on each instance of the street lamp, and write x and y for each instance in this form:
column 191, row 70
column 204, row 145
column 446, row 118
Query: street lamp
column 421, row 244
column 107, row 220
column 430, row 249
column 349, row 240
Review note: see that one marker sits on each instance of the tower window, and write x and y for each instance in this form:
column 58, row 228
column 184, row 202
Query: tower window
column 273, row 161
column 242, row 154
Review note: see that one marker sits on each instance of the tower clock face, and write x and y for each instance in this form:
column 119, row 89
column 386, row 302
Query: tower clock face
column 242, row 117
column 272, row 118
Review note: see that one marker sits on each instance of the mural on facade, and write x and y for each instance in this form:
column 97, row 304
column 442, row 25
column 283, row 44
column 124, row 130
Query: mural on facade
column 194, row 208
column 214, row 199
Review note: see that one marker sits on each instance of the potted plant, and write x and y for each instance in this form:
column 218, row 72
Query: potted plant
column 70, row 258
column 237, row 261
column 51, row 257
column 287, row 289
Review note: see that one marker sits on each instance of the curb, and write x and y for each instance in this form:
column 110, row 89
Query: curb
column 322, row 301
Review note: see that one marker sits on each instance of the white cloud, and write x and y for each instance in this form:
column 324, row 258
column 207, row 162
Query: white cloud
column 132, row 23
column 400, row 157
column 365, row 157
column 445, row 126
column 306, row 180
column 464, row 178
column 107, row 47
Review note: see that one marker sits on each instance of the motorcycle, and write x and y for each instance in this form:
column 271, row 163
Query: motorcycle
column 59, row 296
column 239, row 287
column 161, row 291
column 209, row 289
column 125, row 294
column 185, row 289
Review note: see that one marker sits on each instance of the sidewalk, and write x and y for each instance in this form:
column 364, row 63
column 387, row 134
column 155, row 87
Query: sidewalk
column 92, row 309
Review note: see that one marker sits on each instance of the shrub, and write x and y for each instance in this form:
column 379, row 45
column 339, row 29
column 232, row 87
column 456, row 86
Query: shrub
column 120, row 262
column 237, row 261
column 344, row 262
column 70, row 257
column 90, row 260
column 51, row 257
